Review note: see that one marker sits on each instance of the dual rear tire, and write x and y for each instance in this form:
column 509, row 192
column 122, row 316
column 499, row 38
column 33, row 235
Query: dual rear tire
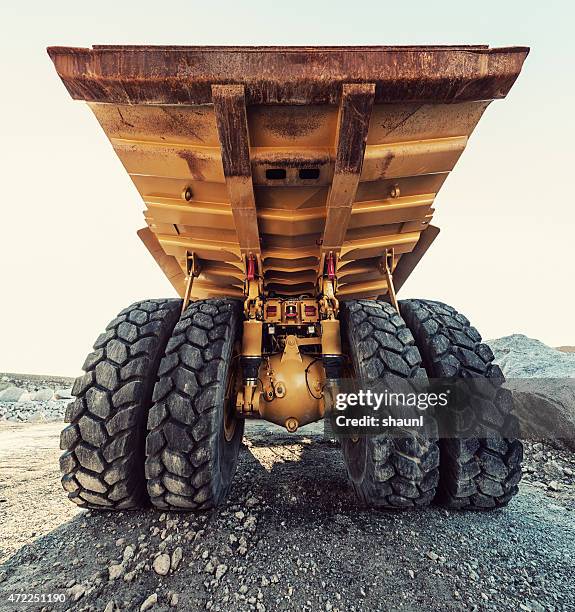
column 151, row 420
column 431, row 339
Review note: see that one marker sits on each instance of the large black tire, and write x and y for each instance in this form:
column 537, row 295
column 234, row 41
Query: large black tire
column 103, row 462
column 190, row 460
column 387, row 471
column 475, row 473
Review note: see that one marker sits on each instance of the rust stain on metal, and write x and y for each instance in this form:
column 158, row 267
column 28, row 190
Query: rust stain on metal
column 288, row 125
column 281, row 75
column 231, row 118
column 385, row 163
column 229, row 101
column 354, row 122
column 194, row 161
column 294, row 160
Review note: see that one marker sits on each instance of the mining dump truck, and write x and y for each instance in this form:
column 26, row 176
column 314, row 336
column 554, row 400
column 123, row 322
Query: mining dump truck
column 288, row 196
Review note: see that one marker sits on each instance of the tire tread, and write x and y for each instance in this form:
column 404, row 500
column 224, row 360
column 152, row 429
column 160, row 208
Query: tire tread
column 470, row 468
column 103, row 461
column 399, row 472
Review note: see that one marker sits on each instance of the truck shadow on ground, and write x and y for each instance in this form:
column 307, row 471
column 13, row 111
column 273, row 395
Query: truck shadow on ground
column 298, row 478
column 292, row 514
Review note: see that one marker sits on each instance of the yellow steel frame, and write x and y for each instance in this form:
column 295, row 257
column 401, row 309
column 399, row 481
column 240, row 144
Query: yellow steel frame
column 381, row 200
column 242, row 153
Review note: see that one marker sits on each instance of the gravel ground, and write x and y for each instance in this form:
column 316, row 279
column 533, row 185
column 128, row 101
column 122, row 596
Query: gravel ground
column 291, row 537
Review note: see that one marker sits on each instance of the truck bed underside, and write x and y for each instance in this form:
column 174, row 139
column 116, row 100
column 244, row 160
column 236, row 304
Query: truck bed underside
column 288, row 154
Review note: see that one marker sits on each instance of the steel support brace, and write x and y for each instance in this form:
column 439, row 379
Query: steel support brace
column 353, row 125
column 232, row 123
column 192, row 271
column 386, row 268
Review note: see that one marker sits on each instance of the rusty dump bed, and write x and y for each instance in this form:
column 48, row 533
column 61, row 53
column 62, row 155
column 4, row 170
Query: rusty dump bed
column 288, row 154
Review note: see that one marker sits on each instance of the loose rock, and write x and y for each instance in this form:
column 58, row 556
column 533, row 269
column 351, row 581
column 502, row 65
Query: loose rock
column 162, row 564
column 553, row 470
column 221, row 570
column 115, row 571
column 11, row 394
column 150, row 602
column 176, row 558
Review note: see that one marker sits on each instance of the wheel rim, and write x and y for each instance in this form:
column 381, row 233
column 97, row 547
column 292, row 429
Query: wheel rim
column 355, row 445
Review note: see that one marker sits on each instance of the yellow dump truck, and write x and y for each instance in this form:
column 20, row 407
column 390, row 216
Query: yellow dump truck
column 288, row 195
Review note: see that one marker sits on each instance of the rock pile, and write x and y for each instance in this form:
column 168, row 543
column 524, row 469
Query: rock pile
column 523, row 357
column 33, row 398
column 542, row 380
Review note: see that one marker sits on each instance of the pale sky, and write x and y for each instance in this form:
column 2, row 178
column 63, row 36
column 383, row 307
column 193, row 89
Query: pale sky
column 69, row 255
